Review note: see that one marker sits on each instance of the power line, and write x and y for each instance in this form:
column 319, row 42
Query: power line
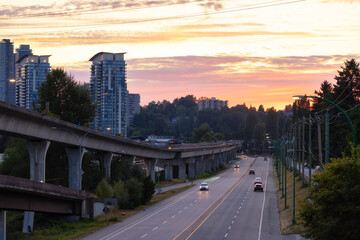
column 229, row 10
column 85, row 11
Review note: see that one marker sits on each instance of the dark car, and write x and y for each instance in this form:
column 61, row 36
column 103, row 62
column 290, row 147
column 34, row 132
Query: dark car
column 252, row 171
column 258, row 187
column 265, row 159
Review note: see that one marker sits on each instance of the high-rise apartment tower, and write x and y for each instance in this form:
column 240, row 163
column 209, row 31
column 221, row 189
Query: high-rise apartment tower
column 133, row 107
column 30, row 73
column 7, row 72
column 108, row 88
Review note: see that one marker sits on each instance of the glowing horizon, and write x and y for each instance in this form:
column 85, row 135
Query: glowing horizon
column 253, row 52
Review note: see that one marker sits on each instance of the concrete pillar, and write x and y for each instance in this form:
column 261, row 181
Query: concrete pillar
column 200, row 165
column 212, row 161
column 105, row 159
column 75, row 156
column 150, row 168
column 192, row 170
column 169, row 172
column 217, row 161
column 222, row 159
column 182, row 170
column 207, row 164
column 37, row 151
column 2, row 224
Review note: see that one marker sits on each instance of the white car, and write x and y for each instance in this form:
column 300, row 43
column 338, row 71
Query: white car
column 204, row 186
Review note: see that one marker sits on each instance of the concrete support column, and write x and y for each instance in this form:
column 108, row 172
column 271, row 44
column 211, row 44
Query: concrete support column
column 75, row 156
column 217, row 161
column 223, row 160
column 105, row 160
column 150, row 168
column 2, row 224
column 200, row 165
column 37, row 151
column 192, row 170
column 213, row 165
column 168, row 172
column 182, row 170
column 207, row 164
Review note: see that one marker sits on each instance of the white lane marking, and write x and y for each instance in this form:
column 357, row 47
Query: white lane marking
column 226, row 234
column 185, row 207
column 232, row 221
column 190, row 203
column 155, row 228
column 143, row 235
column 164, row 222
column 180, row 211
column 229, row 227
column 235, row 216
column 131, row 225
column 263, row 205
column 173, row 216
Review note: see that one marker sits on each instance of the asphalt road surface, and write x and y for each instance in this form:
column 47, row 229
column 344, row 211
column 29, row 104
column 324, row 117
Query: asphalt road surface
column 229, row 210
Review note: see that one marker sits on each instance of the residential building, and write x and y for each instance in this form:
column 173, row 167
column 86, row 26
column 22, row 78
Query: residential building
column 108, row 88
column 22, row 51
column 133, row 107
column 7, row 71
column 31, row 72
column 211, row 103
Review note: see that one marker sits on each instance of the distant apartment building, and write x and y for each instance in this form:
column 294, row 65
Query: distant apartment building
column 133, row 107
column 211, row 103
column 108, row 89
column 7, row 71
column 30, row 73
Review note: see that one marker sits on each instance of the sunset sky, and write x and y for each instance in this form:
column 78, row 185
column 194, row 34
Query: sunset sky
column 245, row 51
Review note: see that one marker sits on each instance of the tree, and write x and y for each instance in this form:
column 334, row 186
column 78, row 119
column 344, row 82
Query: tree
column 121, row 194
column 332, row 208
column 272, row 123
column 203, row 130
column 148, row 189
column 346, row 89
column 261, row 108
column 67, row 100
column 104, row 190
column 16, row 160
column 135, row 191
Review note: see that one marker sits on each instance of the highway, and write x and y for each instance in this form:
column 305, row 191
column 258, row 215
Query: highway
column 229, row 210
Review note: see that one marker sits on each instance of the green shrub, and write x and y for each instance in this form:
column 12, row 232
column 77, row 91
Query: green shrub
column 121, row 194
column 134, row 188
column 104, row 190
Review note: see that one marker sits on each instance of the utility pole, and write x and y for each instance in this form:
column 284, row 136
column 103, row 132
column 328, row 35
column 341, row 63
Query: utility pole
column 309, row 164
column 299, row 147
column 303, row 153
column 319, row 140
column 294, row 171
column 327, row 137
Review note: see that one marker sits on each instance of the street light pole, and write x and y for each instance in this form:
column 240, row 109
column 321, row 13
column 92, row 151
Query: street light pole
column 343, row 112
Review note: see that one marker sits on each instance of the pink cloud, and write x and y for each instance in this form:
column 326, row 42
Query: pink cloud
column 271, row 81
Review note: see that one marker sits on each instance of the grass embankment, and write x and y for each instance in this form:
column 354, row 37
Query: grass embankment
column 286, row 214
column 49, row 227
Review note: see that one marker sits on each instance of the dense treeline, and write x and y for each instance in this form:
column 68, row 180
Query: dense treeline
column 344, row 93
column 183, row 120
column 331, row 208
